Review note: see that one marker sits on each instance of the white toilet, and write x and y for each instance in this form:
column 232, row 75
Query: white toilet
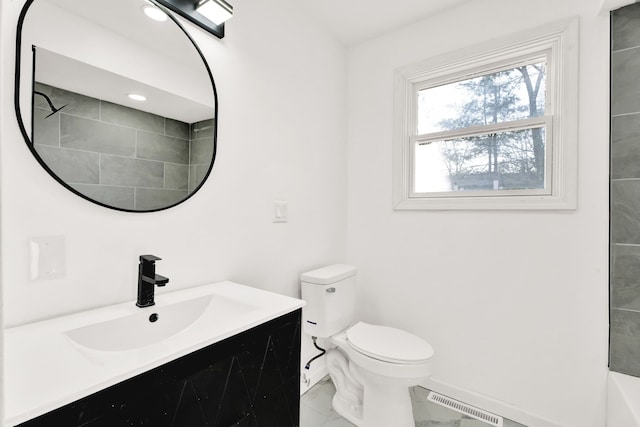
column 371, row 366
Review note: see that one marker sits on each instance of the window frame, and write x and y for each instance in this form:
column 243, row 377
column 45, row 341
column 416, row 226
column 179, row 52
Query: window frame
column 557, row 44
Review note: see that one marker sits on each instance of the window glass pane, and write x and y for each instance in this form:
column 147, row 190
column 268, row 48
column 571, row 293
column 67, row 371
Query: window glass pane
column 499, row 161
column 513, row 94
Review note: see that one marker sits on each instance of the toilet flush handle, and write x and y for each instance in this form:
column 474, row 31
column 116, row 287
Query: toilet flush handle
column 331, row 290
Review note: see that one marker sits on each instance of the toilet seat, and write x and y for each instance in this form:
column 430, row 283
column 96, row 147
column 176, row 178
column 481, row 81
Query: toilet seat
column 388, row 344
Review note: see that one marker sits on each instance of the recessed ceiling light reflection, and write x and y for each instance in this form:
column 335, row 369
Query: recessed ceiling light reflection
column 154, row 13
column 137, row 97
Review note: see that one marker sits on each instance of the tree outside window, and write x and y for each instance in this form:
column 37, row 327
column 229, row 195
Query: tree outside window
column 482, row 133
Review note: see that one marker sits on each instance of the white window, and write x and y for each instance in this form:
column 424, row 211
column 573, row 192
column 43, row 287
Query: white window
column 493, row 127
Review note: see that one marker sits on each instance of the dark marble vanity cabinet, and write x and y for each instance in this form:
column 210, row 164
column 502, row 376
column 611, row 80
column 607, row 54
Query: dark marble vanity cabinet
column 250, row 379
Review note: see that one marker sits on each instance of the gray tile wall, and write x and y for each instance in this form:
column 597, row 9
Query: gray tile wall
column 625, row 192
column 118, row 155
column 201, row 153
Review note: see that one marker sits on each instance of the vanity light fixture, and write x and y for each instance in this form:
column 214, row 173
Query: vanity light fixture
column 154, row 13
column 218, row 11
column 137, row 97
column 210, row 15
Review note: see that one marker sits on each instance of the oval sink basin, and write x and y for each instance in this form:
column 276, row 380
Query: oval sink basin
column 151, row 325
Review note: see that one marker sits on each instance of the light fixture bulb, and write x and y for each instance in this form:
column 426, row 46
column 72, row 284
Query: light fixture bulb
column 154, row 13
column 217, row 11
column 137, row 97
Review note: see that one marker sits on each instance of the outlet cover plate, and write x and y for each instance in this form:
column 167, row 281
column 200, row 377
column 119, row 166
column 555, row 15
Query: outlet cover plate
column 47, row 257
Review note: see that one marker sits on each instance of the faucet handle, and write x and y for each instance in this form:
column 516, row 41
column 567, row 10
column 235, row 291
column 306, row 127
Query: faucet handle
column 149, row 258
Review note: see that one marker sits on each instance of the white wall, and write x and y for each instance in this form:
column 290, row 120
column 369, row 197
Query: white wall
column 282, row 135
column 609, row 5
column 2, row 120
column 514, row 303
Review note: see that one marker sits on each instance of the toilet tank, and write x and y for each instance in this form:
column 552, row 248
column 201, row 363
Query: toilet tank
column 330, row 294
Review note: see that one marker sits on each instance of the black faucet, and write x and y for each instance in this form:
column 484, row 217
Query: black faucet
column 148, row 279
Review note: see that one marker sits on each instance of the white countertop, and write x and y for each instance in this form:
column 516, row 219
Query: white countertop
column 44, row 369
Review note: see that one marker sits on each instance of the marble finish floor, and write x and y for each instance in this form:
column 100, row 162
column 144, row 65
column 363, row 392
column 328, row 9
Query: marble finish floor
column 316, row 410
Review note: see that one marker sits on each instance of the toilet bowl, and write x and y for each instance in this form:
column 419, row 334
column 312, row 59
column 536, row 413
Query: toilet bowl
column 382, row 363
column 372, row 366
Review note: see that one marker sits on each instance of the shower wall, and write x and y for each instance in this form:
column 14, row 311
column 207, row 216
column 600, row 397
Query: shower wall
column 624, row 351
column 118, row 155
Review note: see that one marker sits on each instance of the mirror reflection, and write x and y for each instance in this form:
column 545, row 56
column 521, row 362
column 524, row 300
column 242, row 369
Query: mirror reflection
column 118, row 107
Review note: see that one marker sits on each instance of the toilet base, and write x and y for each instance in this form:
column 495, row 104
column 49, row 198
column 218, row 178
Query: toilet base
column 367, row 399
column 386, row 401
column 353, row 415
column 348, row 398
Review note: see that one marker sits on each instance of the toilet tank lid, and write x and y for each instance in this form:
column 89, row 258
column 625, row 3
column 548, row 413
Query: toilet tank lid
column 329, row 274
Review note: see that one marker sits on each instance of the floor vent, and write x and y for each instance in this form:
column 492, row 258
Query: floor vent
column 463, row 408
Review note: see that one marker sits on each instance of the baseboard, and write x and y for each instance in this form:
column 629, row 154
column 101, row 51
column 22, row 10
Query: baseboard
column 310, row 377
column 489, row 404
column 318, row 370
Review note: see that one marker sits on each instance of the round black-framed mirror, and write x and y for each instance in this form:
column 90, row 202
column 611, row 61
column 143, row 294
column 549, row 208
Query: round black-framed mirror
column 83, row 68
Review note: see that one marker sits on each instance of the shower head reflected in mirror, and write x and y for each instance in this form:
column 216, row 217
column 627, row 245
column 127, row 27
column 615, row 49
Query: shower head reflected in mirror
column 51, row 106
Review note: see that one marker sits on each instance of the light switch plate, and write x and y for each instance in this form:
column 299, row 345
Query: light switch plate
column 47, row 257
column 280, row 211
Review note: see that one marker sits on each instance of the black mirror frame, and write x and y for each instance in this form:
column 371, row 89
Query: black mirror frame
column 29, row 142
